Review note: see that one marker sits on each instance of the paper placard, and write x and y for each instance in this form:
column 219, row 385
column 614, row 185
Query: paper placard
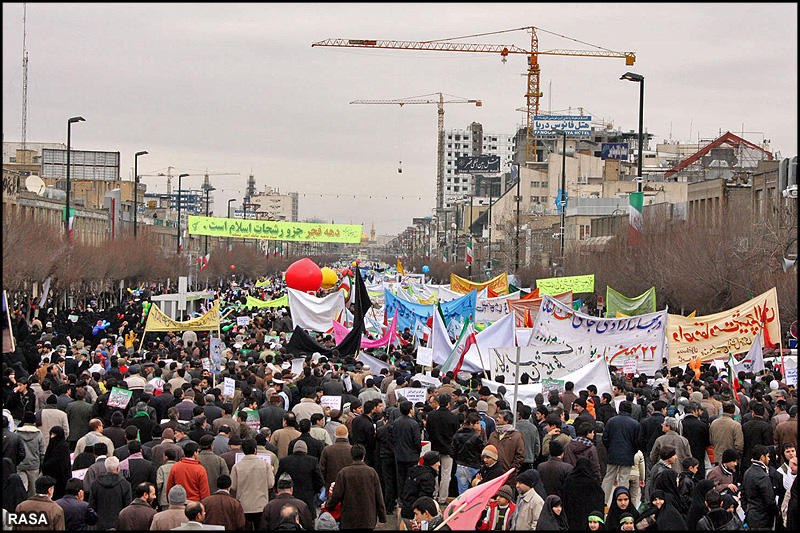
column 552, row 384
column 263, row 456
column 413, row 394
column 215, row 348
column 228, row 387
column 253, row 419
column 347, row 381
column 334, row 402
column 79, row 474
column 119, row 397
column 425, row 356
column 73, row 319
column 297, row 365
column 206, row 361
column 242, row 320
column 791, row 376
column 630, row 365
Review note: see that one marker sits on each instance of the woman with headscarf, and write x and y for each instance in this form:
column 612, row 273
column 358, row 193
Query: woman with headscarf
column 552, row 517
column 582, row 494
column 698, row 508
column 56, row 461
column 13, row 490
column 667, row 516
column 667, row 481
column 620, row 503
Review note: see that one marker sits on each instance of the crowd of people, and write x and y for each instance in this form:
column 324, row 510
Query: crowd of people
column 676, row 450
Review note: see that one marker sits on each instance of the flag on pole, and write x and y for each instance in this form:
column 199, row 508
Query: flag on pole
column 635, row 218
column 462, row 345
column 469, row 251
column 400, row 267
column 753, row 361
column 45, row 292
column 202, row 261
column 767, row 341
column 465, row 511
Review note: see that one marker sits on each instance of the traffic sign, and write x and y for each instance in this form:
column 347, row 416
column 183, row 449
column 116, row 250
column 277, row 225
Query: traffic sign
column 793, row 330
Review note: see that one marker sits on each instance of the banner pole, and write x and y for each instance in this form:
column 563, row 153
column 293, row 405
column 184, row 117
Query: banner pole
column 482, row 363
column 516, row 387
column 8, row 316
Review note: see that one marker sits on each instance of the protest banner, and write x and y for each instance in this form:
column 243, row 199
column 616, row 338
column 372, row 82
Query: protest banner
column 561, row 285
column 242, row 320
column 119, row 397
column 498, row 284
column 274, row 230
column 334, row 402
column 540, row 362
column 616, row 339
column 732, row 331
column 413, row 394
column 552, row 384
column 639, row 305
column 80, row 474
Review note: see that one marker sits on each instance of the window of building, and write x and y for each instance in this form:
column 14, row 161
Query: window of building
column 535, row 184
column 585, row 231
column 544, row 184
column 534, row 199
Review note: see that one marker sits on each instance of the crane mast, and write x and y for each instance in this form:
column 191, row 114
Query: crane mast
column 24, row 78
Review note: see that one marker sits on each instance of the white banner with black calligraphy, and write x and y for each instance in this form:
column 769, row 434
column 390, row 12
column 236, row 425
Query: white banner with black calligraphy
column 641, row 337
column 550, row 361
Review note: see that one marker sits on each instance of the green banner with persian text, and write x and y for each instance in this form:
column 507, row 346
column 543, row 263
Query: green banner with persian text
column 575, row 284
column 273, row 230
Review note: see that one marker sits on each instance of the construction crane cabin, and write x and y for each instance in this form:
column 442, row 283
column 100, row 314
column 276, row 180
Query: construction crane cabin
column 532, row 93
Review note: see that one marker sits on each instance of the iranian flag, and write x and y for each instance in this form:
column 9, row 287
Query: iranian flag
column 462, row 345
column 469, row 251
column 202, row 261
column 635, row 218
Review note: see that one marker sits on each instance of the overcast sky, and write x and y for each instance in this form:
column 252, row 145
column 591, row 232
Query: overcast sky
column 235, row 87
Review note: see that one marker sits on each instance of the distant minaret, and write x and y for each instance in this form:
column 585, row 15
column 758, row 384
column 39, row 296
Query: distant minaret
column 372, row 232
column 251, row 185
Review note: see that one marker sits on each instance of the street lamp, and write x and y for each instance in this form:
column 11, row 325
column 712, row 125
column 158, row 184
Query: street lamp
column 180, row 177
column 563, row 200
column 631, row 76
column 205, row 248
column 136, row 187
column 69, row 141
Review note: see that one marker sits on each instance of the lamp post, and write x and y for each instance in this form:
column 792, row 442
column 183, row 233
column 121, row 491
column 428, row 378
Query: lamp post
column 205, row 248
column 136, row 187
column 180, row 178
column 70, row 121
column 562, row 201
column 632, row 76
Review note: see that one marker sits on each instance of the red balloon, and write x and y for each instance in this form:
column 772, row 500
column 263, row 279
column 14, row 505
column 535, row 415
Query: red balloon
column 304, row 275
column 233, row 267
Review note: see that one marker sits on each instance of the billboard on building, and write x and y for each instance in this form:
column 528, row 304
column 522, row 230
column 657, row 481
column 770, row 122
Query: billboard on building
column 84, row 165
column 575, row 126
column 482, row 164
column 614, row 151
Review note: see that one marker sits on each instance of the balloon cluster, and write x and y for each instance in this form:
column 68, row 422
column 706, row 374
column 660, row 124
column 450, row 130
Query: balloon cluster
column 146, row 309
column 100, row 326
column 426, row 269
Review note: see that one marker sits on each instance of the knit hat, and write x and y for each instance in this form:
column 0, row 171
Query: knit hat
column 431, row 458
column 730, row 455
column 300, row 447
column 528, row 477
column 177, row 495
column 325, row 522
column 482, row 406
column 341, row 431
column 696, row 396
column 505, row 492
column 490, row 451
column 580, row 401
column 168, row 434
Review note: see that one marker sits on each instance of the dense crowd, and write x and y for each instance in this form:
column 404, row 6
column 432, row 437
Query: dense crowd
column 676, row 450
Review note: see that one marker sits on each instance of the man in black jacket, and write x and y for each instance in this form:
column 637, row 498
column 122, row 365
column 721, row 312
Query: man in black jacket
column 407, row 438
column 305, row 472
column 467, row 446
column 442, row 425
column 313, row 446
column 363, row 432
column 21, row 400
column 757, row 495
column 696, row 432
column 13, row 447
column 756, row 431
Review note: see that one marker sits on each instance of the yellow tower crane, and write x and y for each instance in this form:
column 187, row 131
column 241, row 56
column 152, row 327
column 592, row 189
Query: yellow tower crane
column 439, row 101
column 532, row 95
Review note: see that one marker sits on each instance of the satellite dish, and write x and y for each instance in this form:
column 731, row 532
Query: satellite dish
column 34, row 184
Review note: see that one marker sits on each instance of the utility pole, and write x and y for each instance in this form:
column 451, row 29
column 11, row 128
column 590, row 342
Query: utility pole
column 24, row 78
column 516, row 238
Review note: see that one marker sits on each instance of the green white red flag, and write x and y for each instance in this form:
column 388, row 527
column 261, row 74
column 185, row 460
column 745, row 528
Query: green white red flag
column 635, row 218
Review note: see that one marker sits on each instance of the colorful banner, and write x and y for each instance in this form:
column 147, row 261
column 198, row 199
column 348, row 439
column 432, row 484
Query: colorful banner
column 641, row 337
column 574, row 284
column 408, row 312
column 732, row 331
column 158, row 321
column 640, row 305
column 488, row 310
column 498, row 284
column 526, row 310
column 273, row 230
column 340, row 332
column 550, row 361
column 283, row 301
column 262, row 283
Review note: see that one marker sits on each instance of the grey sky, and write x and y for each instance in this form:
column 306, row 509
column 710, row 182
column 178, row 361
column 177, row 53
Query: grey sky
column 230, row 87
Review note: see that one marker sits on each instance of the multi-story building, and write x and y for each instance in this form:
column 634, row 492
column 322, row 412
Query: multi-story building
column 272, row 205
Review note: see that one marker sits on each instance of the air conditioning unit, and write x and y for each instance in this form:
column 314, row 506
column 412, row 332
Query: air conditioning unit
column 583, row 180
